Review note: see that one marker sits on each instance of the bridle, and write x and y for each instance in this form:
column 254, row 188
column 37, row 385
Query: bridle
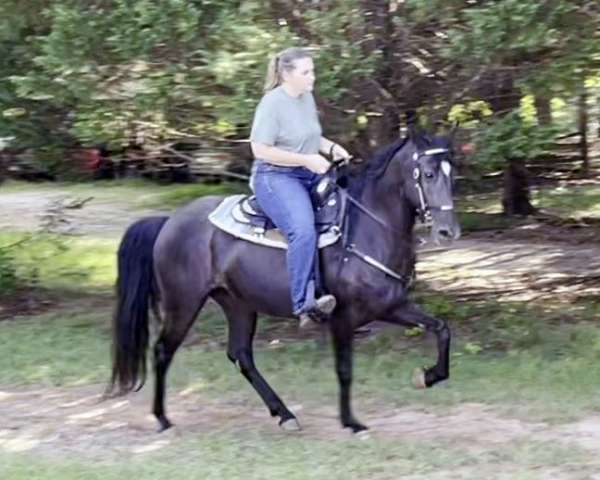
column 424, row 209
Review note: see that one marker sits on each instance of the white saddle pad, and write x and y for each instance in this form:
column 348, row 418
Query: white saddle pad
column 228, row 217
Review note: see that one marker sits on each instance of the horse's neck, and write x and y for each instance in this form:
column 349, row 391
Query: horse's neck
column 391, row 244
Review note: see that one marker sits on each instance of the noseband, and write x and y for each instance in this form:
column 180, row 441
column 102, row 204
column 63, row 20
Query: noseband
column 424, row 209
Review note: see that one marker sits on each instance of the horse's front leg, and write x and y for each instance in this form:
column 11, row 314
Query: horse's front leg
column 342, row 334
column 409, row 314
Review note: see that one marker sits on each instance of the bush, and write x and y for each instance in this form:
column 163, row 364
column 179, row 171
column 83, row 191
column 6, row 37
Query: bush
column 14, row 273
column 8, row 271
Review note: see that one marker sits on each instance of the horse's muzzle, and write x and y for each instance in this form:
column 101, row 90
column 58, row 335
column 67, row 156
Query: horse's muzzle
column 445, row 230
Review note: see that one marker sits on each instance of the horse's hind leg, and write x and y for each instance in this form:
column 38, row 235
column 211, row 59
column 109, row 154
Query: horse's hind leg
column 242, row 326
column 176, row 323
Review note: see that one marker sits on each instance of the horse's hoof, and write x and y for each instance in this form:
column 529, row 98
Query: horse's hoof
column 164, row 424
column 363, row 435
column 418, row 378
column 357, row 428
column 290, row 425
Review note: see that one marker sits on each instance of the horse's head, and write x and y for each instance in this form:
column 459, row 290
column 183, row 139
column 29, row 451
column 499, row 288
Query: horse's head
column 428, row 181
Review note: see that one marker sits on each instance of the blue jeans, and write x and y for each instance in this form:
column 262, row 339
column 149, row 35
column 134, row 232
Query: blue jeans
column 283, row 194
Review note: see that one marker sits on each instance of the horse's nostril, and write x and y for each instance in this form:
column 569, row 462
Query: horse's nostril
column 444, row 232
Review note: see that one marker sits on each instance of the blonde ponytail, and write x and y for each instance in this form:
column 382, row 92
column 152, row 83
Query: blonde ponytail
column 284, row 60
column 272, row 78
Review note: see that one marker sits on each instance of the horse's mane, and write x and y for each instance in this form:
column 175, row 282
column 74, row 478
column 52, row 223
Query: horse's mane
column 378, row 164
column 375, row 167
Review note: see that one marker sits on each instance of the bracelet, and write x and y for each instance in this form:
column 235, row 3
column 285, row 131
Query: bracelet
column 333, row 145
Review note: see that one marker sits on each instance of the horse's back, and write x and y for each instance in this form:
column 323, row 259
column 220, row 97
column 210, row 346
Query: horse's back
column 185, row 237
column 198, row 209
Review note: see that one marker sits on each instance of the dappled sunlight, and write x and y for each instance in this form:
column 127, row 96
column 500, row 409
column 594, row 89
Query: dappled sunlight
column 512, row 270
column 482, row 203
column 18, row 443
column 90, row 414
column 194, row 387
column 157, row 445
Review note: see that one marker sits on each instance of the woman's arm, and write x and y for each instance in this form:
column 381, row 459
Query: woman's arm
column 277, row 156
column 329, row 147
column 325, row 145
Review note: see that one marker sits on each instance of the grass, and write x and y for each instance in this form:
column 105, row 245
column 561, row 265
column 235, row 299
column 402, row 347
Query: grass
column 484, row 211
column 571, row 201
column 509, row 361
column 252, row 456
column 64, row 263
column 61, row 348
column 183, row 194
column 85, row 263
column 135, row 193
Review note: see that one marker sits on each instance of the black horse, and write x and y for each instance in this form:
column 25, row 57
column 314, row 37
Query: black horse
column 173, row 265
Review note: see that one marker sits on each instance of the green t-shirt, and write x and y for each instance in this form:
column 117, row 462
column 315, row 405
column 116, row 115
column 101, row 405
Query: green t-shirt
column 288, row 123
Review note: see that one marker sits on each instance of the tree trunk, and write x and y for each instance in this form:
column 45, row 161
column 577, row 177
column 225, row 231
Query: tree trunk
column 2, row 174
column 583, row 127
column 380, row 32
column 515, row 196
column 505, row 98
column 543, row 109
column 598, row 115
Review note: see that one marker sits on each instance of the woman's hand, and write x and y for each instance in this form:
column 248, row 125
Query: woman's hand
column 317, row 163
column 338, row 152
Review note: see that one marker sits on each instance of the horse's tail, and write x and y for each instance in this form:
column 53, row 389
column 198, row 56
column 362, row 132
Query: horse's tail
column 136, row 292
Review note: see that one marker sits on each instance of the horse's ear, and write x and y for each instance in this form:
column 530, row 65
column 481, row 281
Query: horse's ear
column 411, row 125
column 412, row 132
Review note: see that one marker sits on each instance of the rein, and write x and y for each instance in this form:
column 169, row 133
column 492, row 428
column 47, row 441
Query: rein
column 351, row 247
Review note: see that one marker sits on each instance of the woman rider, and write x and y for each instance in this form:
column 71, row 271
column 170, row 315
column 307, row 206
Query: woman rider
column 286, row 139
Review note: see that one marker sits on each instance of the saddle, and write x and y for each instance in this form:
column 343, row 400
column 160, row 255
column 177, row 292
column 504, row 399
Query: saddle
column 242, row 217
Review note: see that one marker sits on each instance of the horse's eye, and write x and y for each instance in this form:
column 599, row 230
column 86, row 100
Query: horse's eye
column 429, row 175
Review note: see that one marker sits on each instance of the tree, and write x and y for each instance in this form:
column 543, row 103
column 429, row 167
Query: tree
column 515, row 47
column 105, row 70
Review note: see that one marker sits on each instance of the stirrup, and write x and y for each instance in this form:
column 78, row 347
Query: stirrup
column 323, row 307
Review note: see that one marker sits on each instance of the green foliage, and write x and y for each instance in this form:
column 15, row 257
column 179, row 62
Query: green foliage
column 497, row 32
column 511, row 138
column 116, row 69
column 470, row 114
column 78, row 71
column 13, row 273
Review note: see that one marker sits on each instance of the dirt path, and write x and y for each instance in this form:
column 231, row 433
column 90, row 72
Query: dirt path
column 72, row 421
column 24, row 211
column 509, row 268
